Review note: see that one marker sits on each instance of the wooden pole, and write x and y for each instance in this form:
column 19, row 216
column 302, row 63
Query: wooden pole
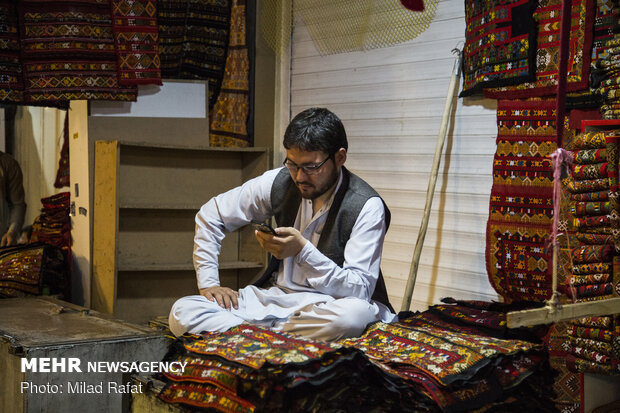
column 430, row 192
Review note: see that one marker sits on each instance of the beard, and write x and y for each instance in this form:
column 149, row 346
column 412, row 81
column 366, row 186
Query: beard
column 311, row 191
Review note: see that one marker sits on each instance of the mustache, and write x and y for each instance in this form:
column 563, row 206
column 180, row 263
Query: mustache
column 303, row 183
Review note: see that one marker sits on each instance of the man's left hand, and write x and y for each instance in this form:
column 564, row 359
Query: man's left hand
column 286, row 244
column 8, row 239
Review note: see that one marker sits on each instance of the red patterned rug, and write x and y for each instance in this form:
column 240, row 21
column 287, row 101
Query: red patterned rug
column 68, row 53
column 500, row 44
column 134, row 23
column 521, row 207
column 11, row 81
column 548, row 16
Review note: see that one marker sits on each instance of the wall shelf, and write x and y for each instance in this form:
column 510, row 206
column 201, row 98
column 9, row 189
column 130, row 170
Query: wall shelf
column 145, row 200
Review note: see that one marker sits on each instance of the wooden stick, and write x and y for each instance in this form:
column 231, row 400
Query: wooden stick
column 430, row 192
column 560, row 312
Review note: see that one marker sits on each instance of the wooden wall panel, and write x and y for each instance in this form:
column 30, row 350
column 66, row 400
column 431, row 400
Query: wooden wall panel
column 391, row 102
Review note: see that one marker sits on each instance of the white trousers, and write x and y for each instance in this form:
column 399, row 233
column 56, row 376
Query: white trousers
column 311, row 315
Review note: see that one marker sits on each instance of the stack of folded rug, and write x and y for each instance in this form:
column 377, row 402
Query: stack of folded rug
column 454, row 357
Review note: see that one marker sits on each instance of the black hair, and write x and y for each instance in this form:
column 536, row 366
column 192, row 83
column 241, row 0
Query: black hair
column 316, row 129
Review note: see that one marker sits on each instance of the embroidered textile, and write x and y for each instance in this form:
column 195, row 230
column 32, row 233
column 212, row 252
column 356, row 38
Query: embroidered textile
column 32, row 269
column 402, row 366
column 228, row 119
column 594, row 290
column 205, row 396
column 591, row 196
column 590, row 279
column 592, row 268
column 62, row 175
column 586, row 366
column 599, row 346
column 589, row 208
column 444, row 356
column 11, row 79
column 252, row 346
column 592, row 253
column 600, row 322
column 592, row 171
column 548, row 17
column 500, row 44
column 134, row 24
column 588, row 156
column 566, row 385
column 521, row 210
column 67, row 53
column 193, row 41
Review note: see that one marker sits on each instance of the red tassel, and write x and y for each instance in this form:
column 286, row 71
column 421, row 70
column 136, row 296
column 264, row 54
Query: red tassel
column 413, row 5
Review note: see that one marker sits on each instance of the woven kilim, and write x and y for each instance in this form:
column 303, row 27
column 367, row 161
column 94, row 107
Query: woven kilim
column 403, row 366
column 193, row 40
column 228, row 119
column 67, row 51
column 446, row 356
column 11, row 80
column 500, row 44
column 567, row 384
column 521, row 207
column 134, row 23
column 548, row 16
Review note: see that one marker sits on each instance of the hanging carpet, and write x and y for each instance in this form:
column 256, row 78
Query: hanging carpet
column 521, row 207
column 548, row 16
column 500, row 44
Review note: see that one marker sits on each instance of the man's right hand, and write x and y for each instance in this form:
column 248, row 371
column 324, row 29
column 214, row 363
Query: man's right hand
column 224, row 296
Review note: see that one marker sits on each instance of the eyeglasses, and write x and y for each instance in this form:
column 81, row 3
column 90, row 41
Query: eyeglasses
column 308, row 169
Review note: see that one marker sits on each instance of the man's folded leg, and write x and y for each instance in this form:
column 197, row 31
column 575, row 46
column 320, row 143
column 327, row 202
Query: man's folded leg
column 194, row 314
column 341, row 318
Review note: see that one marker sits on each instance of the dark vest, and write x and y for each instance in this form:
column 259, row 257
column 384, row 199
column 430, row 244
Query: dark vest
column 347, row 205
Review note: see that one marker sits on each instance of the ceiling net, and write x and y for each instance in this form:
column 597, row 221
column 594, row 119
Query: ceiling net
column 338, row 26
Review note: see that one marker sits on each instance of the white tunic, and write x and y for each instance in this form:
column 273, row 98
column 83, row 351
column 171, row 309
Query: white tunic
column 305, row 279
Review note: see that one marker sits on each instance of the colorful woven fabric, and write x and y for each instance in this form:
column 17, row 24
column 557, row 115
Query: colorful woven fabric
column 11, row 79
column 588, row 156
column 593, row 268
column 444, row 356
column 593, row 290
column 521, row 210
column 597, row 322
column 580, row 365
column 595, row 345
column 588, row 140
column 205, row 396
column 134, row 23
column 32, row 269
column 67, row 52
column 566, row 385
column 606, row 17
column 592, row 253
column 592, row 171
column 592, row 333
column 591, row 279
column 589, row 208
column 591, row 196
column 548, row 16
column 193, row 41
column 228, row 119
column 500, row 44
column 62, row 174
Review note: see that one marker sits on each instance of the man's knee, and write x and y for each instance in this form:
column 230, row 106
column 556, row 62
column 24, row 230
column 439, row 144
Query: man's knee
column 178, row 315
column 353, row 321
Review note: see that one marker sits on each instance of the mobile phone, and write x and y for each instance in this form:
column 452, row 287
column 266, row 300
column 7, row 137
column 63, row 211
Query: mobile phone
column 264, row 227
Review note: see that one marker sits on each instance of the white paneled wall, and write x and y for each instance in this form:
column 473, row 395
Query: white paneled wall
column 391, row 101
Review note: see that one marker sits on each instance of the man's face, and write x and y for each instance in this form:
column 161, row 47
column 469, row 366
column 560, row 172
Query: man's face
column 316, row 184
